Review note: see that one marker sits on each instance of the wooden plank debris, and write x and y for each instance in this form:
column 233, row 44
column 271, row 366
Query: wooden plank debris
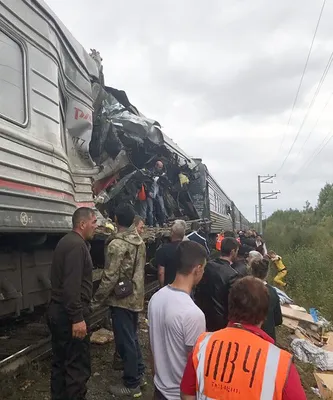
column 297, row 308
column 301, row 334
column 329, row 344
column 297, row 315
column 290, row 323
column 325, row 384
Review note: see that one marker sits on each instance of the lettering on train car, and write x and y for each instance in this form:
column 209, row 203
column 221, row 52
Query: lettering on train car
column 25, row 219
column 79, row 114
column 78, row 147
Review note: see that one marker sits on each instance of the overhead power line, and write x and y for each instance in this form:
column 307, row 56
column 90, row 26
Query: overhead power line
column 315, row 154
column 322, row 79
column 316, row 123
column 303, row 73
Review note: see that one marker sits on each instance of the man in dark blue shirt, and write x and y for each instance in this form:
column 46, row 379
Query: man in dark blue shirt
column 197, row 236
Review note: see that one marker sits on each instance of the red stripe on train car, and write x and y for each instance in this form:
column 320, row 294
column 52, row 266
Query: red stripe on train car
column 85, row 204
column 34, row 189
column 42, row 192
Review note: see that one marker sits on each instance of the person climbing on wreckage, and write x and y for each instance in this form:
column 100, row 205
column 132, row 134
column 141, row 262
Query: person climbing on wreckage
column 150, row 197
column 155, row 200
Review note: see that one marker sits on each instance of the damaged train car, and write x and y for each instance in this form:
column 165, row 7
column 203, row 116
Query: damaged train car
column 126, row 145
column 68, row 140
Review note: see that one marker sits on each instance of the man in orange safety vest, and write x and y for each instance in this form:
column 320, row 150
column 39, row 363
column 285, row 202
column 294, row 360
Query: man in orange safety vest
column 241, row 361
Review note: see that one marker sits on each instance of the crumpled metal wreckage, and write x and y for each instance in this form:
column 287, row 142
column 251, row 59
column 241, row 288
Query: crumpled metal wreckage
column 125, row 145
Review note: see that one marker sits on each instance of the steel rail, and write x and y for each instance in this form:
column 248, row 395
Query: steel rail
column 42, row 348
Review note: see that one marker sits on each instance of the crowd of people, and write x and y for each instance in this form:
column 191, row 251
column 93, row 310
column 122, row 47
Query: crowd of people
column 211, row 323
column 252, row 246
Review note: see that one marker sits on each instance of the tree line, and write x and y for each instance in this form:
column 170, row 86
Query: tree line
column 304, row 240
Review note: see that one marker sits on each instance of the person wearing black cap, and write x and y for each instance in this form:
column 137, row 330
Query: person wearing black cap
column 240, row 265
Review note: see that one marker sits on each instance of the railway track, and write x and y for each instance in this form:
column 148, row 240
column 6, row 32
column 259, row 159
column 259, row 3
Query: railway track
column 42, row 348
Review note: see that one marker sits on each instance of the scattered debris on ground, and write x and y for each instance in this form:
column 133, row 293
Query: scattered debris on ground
column 102, row 336
column 310, row 340
column 325, row 384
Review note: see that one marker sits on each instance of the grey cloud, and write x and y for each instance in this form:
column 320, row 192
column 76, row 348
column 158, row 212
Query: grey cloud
column 264, row 87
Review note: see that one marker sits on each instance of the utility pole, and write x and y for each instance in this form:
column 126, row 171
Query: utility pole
column 256, row 214
column 265, row 196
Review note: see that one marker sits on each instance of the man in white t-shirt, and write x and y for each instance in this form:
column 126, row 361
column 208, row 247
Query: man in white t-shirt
column 175, row 322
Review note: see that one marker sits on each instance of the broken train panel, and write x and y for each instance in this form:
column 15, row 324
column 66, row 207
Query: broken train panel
column 127, row 145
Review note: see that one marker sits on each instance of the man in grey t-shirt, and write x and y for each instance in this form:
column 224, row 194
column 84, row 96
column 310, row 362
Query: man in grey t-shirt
column 175, row 322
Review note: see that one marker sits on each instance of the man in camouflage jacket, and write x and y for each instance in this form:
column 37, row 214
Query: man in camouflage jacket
column 126, row 256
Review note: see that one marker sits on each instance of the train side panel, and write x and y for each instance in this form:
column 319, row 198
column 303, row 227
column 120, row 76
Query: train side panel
column 219, row 206
column 46, row 101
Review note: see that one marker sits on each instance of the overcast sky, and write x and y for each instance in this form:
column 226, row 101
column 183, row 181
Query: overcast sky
column 221, row 77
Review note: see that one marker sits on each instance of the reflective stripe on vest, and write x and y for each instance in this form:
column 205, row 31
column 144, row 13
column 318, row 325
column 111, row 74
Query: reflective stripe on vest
column 272, row 364
column 236, row 364
column 201, row 361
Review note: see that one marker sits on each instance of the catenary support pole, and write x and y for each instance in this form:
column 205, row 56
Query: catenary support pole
column 259, row 204
column 256, row 216
column 264, row 196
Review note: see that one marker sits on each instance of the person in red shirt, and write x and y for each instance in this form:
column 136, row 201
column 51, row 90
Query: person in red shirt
column 248, row 301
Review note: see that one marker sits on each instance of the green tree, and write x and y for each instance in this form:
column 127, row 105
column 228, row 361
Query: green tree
column 325, row 201
column 304, row 239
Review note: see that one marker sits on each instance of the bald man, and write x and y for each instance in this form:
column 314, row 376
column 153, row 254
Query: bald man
column 159, row 166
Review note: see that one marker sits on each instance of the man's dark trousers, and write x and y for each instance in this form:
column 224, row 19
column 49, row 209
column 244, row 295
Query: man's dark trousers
column 125, row 328
column 71, row 357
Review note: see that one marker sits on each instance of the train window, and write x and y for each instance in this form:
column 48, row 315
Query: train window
column 13, row 105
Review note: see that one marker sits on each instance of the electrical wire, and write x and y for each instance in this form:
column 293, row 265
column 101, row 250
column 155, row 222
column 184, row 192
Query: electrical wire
column 303, row 73
column 314, row 97
column 315, row 154
column 316, row 123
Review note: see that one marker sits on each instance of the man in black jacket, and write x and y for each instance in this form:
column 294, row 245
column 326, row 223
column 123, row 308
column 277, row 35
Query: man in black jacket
column 212, row 292
column 240, row 265
column 69, row 310
column 249, row 240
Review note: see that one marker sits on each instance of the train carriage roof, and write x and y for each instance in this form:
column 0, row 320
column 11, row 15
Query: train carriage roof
column 82, row 55
column 173, row 147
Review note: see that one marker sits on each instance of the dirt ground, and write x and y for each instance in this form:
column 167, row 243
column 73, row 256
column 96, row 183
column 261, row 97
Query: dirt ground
column 305, row 370
column 33, row 383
